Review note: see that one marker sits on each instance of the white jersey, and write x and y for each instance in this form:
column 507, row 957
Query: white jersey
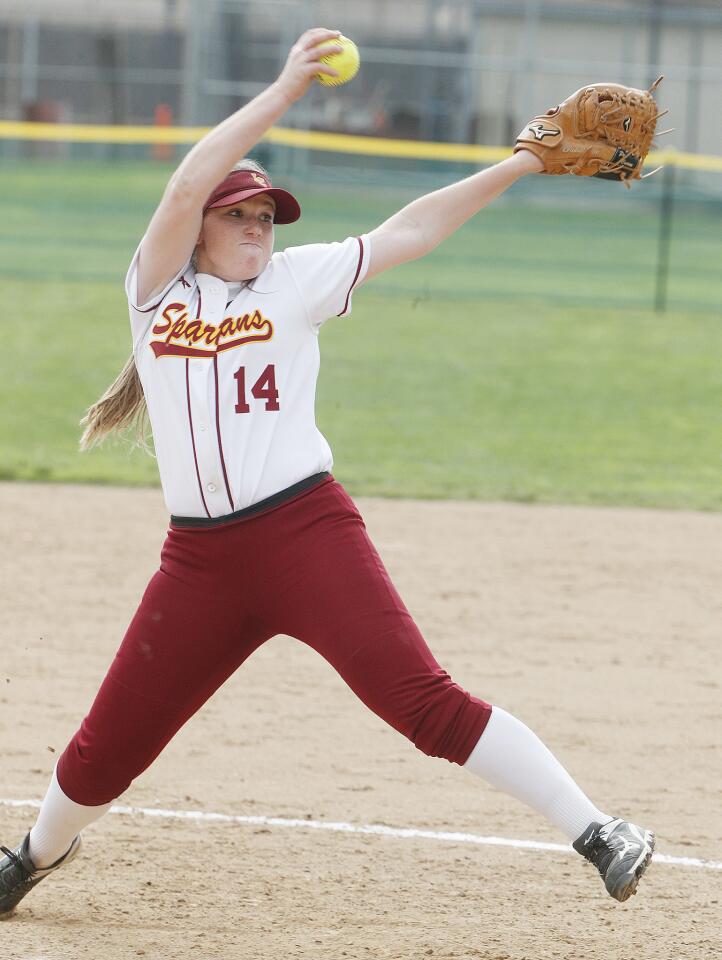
column 230, row 381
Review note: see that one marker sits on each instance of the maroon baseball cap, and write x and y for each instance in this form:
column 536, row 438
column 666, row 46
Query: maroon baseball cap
column 244, row 184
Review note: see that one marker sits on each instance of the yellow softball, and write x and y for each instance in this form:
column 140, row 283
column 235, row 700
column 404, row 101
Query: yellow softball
column 346, row 62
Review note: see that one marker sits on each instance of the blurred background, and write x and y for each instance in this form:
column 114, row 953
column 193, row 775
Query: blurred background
column 446, row 71
column 100, row 100
column 452, row 70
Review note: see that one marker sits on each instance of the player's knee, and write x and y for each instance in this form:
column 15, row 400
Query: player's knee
column 450, row 723
column 87, row 783
column 92, row 773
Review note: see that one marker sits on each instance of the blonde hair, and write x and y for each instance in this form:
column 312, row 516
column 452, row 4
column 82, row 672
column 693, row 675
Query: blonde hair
column 123, row 405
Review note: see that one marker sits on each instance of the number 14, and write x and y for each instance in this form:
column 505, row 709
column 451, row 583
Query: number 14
column 263, row 389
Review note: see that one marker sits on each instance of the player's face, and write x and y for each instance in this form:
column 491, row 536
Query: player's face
column 236, row 242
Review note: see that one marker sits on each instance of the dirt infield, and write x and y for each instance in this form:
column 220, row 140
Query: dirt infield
column 599, row 628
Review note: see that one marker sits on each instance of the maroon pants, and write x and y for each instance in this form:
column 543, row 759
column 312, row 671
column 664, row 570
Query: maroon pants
column 306, row 569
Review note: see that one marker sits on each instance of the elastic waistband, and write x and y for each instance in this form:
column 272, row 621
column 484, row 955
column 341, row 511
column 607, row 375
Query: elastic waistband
column 275, row 500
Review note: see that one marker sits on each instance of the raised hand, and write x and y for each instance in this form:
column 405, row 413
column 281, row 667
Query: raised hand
column 303, row 62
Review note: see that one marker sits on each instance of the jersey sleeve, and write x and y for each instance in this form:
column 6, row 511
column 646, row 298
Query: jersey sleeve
column 141, row 314
column 326, row 275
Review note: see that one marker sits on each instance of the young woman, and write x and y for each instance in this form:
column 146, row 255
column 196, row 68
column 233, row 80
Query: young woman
column 225, row 347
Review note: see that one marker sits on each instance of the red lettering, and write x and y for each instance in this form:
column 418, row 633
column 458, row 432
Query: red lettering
column 232, row 332
column 167, row 316
column 193, row 332
column 263, row 389
column 177, row 330
column 240, row 377
column 227, row 328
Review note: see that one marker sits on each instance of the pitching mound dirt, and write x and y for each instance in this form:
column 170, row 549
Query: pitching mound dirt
column 600, row 628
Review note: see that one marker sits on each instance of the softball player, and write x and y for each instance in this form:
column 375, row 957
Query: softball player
column 225, row 346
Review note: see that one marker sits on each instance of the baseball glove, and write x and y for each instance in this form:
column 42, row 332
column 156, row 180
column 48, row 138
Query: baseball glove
column 603, row 130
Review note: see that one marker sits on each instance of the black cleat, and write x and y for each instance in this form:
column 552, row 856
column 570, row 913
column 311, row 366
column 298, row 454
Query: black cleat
column 18, row 873
column 620, row 851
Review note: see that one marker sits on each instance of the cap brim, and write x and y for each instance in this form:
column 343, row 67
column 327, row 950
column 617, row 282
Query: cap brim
column 288, row 209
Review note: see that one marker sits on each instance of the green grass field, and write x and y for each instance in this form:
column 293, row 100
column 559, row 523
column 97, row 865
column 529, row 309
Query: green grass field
column 520, row 361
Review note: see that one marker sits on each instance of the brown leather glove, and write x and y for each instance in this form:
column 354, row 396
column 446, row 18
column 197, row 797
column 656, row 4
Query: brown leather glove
column 603, row 130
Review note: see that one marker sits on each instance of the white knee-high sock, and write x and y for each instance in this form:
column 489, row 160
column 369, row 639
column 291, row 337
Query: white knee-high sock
column 59, row 822
column 512, row 758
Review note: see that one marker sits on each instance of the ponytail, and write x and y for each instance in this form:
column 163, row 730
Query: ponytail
column 121, row 406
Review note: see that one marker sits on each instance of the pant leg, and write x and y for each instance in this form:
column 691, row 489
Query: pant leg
column 190, row 633
column 345, row 606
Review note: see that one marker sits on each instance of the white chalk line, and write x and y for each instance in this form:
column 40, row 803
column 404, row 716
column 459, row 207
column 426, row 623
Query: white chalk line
column 366, row 829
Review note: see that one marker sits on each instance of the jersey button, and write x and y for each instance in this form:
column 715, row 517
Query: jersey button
column 214, row 288
column 211, row 488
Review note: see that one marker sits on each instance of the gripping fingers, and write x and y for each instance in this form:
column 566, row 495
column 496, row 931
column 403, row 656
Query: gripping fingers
column 323, row 50
column 313, row 38
column 303, row 63
column 315, row 44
